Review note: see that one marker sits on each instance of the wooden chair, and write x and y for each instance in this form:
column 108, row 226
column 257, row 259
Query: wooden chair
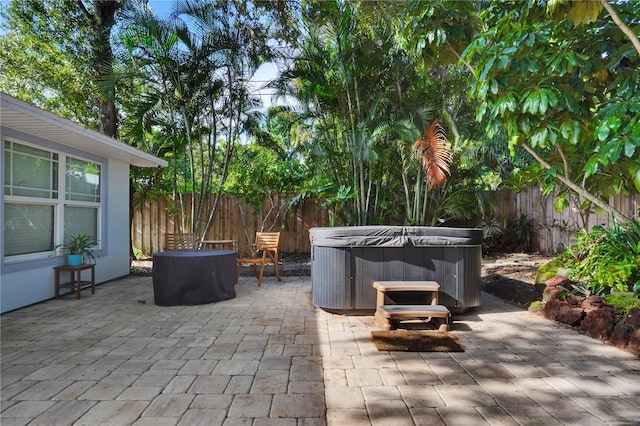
column 179, row 241
column 264, row 251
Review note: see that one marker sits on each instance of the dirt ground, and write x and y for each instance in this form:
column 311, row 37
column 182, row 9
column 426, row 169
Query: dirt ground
column 512, row 277
column 517, row 266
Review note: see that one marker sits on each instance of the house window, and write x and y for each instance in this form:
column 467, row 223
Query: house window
column 28, row 228
column 81, row 220
column 37, row 215
column 30, row 172
column 82, row 181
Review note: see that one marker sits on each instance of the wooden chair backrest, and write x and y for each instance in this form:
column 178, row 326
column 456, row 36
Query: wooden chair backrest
column 180, row 241
column 267, row 241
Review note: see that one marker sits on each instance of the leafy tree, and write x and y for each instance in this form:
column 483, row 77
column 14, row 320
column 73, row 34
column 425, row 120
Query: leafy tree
column 439, row 31
column 367, row 103
column 195, row 70
column 55, row 54
column 101, row 21
column 345, row 76
column 562, row 82
column 266, row 170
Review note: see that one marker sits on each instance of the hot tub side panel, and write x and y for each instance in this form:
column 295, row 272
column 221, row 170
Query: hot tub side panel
column 471, row 261
column 462, row 267
column 393, row 264
column 331, row 277
column 369, row 265
column 456, row 269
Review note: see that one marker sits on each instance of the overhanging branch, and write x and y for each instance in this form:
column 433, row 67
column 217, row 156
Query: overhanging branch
column 623, row 27
column 465, row 63
column 577, row 188
column 565, row 162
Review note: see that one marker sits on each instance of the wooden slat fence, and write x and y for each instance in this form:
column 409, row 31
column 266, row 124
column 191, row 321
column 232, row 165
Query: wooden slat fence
column 556, row 230
column 236, row 221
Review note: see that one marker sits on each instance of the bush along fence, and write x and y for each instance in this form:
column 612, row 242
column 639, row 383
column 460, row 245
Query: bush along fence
column 236, row 221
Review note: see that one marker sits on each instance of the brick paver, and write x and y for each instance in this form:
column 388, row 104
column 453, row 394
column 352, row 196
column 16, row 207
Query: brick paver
column 268, row 357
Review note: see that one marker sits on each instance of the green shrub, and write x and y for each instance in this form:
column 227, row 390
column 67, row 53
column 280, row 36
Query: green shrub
column 623, row 302
column 522, row 231
column 585, row 290
column 137, row 253
column 608, row 257
column 550, row 270
column 536, row 306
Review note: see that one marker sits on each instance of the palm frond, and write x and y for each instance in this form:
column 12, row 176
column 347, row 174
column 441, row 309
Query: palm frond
column 433, row 150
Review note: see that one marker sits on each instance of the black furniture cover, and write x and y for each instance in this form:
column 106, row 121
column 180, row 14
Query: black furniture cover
column 193, row 277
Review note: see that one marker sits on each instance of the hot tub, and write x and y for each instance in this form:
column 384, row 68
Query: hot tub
column 345, row 261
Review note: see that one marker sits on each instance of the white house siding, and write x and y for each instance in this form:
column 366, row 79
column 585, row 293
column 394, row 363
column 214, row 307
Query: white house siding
column 116, row 263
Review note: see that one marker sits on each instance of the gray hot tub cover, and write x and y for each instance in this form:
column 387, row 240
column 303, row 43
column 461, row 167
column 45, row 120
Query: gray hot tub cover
column 394, row 236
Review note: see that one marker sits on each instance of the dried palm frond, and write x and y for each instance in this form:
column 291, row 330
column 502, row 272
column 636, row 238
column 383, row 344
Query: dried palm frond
column 434, row 151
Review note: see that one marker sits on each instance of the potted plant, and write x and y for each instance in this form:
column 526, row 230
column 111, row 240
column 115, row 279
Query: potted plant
column 78, row 247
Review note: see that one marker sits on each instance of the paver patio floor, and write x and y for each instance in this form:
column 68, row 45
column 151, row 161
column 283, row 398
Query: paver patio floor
column 268, row 357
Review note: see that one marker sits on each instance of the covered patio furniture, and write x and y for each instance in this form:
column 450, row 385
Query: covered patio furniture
column 193, row 277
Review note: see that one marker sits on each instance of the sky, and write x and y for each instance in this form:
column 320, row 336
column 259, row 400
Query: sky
column 266, row 72
column 161, row 7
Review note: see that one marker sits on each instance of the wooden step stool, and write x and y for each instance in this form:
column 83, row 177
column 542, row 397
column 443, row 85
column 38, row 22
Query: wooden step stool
column 387, row 314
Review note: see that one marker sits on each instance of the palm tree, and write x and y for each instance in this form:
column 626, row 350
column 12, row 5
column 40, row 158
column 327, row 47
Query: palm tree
column 331, row 80
column 368, row 102
column 197, row 67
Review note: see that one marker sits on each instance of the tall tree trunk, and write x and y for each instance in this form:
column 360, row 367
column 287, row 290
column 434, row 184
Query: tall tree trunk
column 103, row 20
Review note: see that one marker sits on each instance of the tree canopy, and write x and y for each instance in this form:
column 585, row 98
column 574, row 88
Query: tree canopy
column 492, row 92
column 562, row 81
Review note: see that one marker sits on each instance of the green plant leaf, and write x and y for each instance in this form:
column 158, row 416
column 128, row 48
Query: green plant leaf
column 531, row 102
column 493, row 86
column 614, row 123
column 487, row 68
column 635, row 175
column 591, row 167
column 570, row 130
column 617, row 185
column 602, row 132
column 629, row 149
column 614, row 150
column 560, row 204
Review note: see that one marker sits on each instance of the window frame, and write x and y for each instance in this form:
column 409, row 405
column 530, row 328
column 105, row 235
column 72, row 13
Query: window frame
column 58, row 202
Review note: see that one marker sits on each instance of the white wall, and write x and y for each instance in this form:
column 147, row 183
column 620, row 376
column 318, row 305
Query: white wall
column 26, row 288
column 116, row 263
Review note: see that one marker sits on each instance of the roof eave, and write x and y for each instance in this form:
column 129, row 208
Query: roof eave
column 29, row 119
